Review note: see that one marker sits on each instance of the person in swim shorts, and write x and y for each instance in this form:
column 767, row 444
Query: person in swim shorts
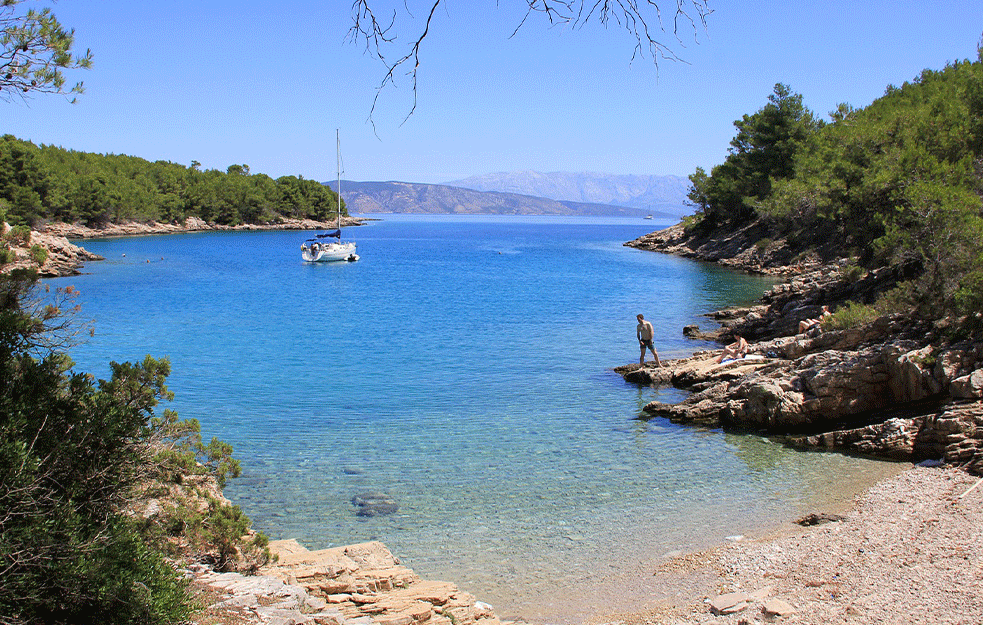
column 644, row 332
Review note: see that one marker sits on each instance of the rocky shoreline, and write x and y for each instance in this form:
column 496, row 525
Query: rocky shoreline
column 894, row 387
column 907, row 551
column 884, row 389
column 361, row 584
column 67, row 259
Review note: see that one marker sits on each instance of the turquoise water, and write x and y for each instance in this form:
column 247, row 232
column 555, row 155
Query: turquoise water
column 464, row 368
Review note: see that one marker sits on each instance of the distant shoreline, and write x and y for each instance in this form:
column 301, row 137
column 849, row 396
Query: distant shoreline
column 63, row 258
column 192, row 224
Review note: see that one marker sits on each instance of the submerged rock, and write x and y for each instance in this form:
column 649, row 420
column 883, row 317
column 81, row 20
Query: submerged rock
column 374, row 504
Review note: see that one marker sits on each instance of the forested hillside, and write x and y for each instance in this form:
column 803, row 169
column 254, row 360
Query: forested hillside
column 895, row 184
column 50, row 183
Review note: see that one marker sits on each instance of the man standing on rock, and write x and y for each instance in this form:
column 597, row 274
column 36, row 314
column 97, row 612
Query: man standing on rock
column 645, row 333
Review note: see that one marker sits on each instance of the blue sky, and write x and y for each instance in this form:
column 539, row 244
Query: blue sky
column 267, row 83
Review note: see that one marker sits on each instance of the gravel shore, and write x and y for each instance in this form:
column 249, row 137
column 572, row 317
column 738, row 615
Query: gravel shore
column 909, row 551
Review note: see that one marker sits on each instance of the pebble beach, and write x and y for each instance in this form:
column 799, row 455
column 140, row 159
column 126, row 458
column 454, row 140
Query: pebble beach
column 908, row 551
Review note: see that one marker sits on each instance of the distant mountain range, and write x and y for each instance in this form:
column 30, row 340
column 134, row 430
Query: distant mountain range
column 524, row 195
column 664, row 193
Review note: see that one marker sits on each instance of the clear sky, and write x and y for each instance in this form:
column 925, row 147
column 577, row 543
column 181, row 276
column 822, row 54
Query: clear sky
column 267, row 83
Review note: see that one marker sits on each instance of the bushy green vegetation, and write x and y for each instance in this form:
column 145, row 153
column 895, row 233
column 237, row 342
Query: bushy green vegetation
column 51, row 183
column 761, row 153
column 38, row 254
column 850, row 315
column 899, row 181
column 76, row 454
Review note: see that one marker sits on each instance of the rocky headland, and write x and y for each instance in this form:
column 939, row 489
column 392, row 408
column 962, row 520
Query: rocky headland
column 893, row 387
column 66, row 259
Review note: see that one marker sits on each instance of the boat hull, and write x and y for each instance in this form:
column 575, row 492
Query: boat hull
column 328, row 252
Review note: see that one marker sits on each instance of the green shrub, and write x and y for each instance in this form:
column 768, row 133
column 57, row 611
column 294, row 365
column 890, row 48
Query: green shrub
column 691, row 222
column 900, row 299
column 18, row 235
column 926, row 362
column 968, row 297
column 7, row 255
column 73, row 453
column 851, row 315
column 196, row 522
column 38, row 254
column 852, row 272
column 762, row 244
column 179, row 451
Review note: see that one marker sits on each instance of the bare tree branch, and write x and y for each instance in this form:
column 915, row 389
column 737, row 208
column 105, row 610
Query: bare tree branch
column 641, row 19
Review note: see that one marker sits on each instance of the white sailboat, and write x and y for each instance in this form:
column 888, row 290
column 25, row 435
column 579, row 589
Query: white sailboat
column 322, row 248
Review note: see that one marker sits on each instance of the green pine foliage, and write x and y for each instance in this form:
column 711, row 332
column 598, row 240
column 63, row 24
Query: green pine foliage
column 35, row 50
column 760, row 154
column 76, row 455
column 49, row 183
column 896, row 183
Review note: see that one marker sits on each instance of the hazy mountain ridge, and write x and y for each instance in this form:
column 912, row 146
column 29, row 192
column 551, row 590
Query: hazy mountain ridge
column 666, row 193
column 409, row 197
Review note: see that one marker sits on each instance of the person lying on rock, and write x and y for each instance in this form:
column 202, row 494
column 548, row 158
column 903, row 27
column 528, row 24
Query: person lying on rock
column 737, row 349
column 807, row 324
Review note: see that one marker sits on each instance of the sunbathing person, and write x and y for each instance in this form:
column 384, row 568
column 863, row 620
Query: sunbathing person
column 737, row 349
column 807, row 324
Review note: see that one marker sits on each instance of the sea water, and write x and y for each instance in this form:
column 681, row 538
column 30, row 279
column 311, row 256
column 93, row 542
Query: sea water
column 463, row 368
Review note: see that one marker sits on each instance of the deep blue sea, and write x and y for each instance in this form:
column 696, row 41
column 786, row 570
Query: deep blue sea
column 462, row 367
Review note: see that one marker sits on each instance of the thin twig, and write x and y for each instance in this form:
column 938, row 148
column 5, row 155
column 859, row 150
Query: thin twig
column 971, row 488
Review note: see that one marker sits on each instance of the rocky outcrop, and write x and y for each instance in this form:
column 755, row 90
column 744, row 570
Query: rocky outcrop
column 788, row 392
column 62, row 258
column 952, row 434
column 749, row 247
column 879, row 388
column 360, row 584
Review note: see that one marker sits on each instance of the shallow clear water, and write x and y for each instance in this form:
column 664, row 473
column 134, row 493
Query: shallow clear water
column 464, row 368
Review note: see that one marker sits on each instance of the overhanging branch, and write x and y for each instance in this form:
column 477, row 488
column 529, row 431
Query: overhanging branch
column 642, row 19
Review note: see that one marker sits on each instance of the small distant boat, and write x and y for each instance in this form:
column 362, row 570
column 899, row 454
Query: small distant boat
column 648, row 217
column 321, row 248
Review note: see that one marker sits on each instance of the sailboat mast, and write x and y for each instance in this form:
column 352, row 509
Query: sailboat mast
column 337, row 133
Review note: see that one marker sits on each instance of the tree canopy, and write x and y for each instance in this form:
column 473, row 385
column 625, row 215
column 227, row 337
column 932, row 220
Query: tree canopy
column 70, row 455
column 761, row 153
column 52, row 183
column 898, row 182
column 79, row 458
column 35, row 50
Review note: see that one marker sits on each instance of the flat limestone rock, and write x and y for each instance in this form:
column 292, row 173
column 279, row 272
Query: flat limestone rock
column 287, row 547
column 729, row 603
column 760, row 594
column 367, row 584
column 777, row 607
